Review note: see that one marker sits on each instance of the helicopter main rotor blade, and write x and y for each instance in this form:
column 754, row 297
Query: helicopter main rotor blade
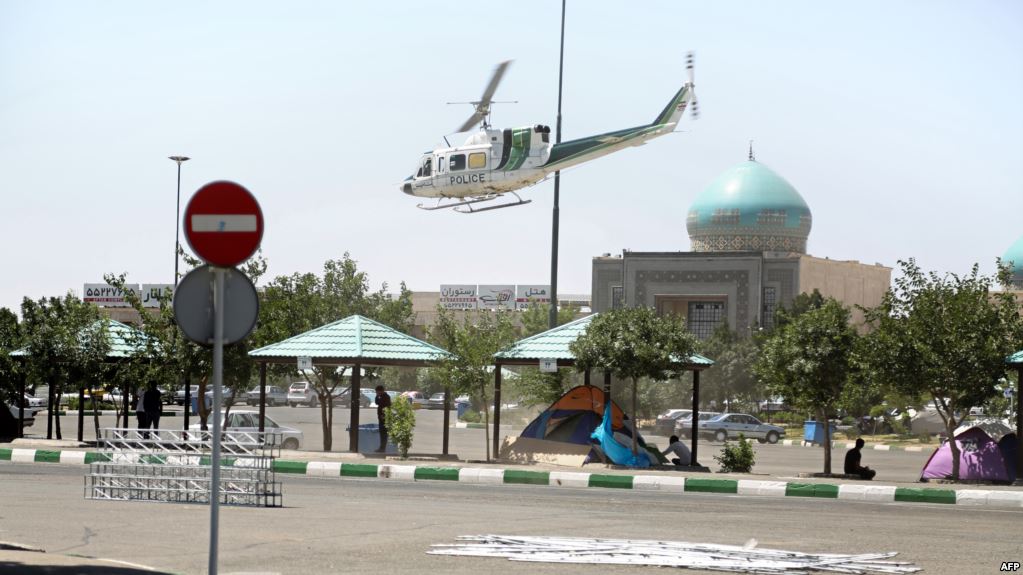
column 483, row 105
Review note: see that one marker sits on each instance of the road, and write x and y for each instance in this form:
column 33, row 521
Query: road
column 469, row 444
column 378, row 526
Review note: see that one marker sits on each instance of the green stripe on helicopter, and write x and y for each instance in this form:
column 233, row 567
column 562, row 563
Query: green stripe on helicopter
column 520, row 148
column 665, row 114
column 567, row 151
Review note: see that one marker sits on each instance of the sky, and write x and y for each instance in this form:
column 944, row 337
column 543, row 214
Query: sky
column 898, row 122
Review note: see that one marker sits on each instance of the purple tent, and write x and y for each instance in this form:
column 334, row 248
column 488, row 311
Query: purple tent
column 987, row 452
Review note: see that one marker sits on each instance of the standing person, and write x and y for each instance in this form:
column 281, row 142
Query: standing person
column 383, row 401
column 152, row 401
column 678, row 448
column 140, row 412
column 852, row 462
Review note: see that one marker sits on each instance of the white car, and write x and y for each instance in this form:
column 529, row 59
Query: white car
column 246, row 420
column 302, row 393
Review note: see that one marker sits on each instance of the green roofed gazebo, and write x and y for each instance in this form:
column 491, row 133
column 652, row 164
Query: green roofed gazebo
column 1015, row 361
column 356, row 341
column 553, row 346
column 123, row 340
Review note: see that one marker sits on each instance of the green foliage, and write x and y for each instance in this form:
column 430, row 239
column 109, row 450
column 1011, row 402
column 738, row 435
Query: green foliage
column 801, row 304
column 10, row 340
column 401, row 424
column 471, row 416
column 808, row 361
column 943, row 336
column 737, row 457
column 472, row 343
column 732, row 377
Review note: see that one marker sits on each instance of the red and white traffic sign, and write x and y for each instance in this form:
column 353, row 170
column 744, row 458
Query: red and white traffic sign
column 223, row 224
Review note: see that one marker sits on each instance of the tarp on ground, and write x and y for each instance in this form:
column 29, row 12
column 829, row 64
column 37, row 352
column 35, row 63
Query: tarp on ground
column 987, row 451
column 574, row 418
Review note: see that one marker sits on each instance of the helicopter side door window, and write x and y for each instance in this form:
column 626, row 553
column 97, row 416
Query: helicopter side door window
column 477, row 161
column 427, row 167
column 457, row 162
column 440, row 165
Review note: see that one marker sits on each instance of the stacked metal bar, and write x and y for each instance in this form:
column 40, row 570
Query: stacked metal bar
column 175, row 466
column 745, row 559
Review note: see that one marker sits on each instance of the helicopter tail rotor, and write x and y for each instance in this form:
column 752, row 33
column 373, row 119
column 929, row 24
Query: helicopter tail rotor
column 482, row 106
column 695, row 105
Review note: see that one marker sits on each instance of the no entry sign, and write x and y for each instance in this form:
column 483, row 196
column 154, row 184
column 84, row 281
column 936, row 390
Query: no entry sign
column 223, row 224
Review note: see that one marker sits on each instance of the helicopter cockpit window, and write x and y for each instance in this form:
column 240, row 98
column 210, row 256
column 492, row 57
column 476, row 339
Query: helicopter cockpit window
column 457, row 162
column 477, row 161
column 426, row 170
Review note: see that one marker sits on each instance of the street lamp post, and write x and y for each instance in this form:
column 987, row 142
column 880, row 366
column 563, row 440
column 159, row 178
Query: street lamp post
column 177, row 218
column 177, row 248
column 553, row 319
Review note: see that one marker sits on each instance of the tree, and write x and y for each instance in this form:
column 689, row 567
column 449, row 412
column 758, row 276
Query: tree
column 732, row 377
column 801, row 304
column 401, row 424
column 472, row 343
column 290, row 305
column 945, row 336
column 809, row 362
column 66, row 339
column 10, row 340
column 634, row 343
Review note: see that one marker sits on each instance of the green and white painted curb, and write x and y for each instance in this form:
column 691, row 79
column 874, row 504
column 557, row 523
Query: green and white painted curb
column 666, row 483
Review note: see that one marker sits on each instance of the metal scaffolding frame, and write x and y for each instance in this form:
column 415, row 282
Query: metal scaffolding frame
column 175, row 466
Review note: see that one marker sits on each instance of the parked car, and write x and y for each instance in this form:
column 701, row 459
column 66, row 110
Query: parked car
column 245, row 420
column 730, row 425
column 302, row 393
column 179, row 395
column 274, row 396
column 226, row 394
column 343, row 398
column 34, row 403
column 436, row 401
column 665, row 423
column 684, row 425
column 29, row 415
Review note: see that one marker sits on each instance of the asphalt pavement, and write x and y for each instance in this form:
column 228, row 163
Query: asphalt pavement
column 354, row 526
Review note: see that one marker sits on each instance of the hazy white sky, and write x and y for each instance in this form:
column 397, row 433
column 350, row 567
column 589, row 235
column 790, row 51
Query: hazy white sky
column 899, row 123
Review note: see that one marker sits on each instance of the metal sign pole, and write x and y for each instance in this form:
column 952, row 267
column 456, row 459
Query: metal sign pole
column 218, row 380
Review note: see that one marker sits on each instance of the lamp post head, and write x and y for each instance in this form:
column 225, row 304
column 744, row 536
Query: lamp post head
column 179, row 159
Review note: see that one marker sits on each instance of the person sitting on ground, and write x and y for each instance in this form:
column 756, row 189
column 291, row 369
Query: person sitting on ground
column 852, row 462
column 678, row 448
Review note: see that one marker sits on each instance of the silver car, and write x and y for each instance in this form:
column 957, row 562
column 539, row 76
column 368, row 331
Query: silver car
column 684, row 425
column 244, row 420
column 730, row 425
column 274, row 396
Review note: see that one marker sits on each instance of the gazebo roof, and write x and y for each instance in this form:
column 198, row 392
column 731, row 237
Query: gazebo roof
column 554, row 344
column 118, row 334
column 354, row 339
column 1015, row 359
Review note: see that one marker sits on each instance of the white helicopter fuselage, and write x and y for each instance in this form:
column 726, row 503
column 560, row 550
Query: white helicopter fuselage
column 489, row 162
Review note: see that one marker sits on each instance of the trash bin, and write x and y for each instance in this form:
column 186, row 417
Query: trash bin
column 195, row 405
column 369, row 439
column 461, row 407
column 813, row 432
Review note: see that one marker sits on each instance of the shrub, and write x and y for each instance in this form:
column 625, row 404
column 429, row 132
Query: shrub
column 401, row 423
column 736, row 457
column 471, row 416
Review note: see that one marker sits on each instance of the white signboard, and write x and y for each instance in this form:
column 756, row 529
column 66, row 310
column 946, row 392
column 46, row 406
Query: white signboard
column 526, row 295
column 548, row 365
column 496, row 297
column 151, row 294
column 305, row 362
column 458, row 296
column 105, row 295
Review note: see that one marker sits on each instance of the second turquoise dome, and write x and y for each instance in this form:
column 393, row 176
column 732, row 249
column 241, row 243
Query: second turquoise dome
column 749, row 208
column 1014, row 257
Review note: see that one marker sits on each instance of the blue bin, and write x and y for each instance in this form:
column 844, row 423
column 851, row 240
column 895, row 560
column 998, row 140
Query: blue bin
column 813, row 432
column 369, row 439
column 462, row 408
column 195, row 404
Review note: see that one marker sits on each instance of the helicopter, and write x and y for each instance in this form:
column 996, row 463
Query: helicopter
column 493, row 162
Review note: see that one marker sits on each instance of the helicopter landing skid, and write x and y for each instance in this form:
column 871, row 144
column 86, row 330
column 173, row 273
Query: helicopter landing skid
column 468, row 203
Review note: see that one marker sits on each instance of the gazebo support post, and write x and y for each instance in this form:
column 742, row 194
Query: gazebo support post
column 586, row 377
column 356, row 395
column 497, row 406
column 81, row 413
column 124, row 400
column 21, row 404
column 50, row 403
column 1019, row 426
column 607, row 385
column 188, row 400
column 695, row 429
column 447, row 419
column 262, row 396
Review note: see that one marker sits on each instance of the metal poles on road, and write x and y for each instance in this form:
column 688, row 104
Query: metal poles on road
column 553, row 320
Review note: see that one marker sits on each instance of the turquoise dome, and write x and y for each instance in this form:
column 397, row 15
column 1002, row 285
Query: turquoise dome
column 1014, row 257
column 749, row 208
